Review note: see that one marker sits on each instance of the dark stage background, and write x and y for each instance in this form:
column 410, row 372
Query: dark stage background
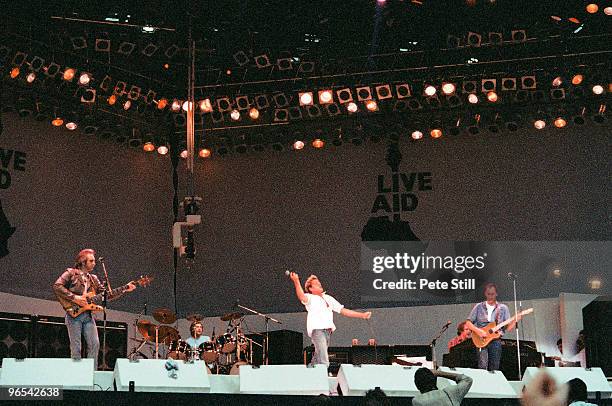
column 266, row 212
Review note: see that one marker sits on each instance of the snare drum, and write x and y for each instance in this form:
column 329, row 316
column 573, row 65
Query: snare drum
column 208, row 352
column 226, row 343
column 178, row 350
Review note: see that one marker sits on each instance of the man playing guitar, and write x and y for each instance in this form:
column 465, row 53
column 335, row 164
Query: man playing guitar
column 71, row 287
column 482, row 314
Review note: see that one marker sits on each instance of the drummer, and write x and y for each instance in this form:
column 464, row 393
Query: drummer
column 196, row 329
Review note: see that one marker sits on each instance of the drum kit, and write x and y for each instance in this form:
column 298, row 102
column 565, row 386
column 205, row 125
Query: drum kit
column 224, row 354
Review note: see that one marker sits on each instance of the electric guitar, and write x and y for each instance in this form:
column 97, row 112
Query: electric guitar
column 94, row 300
column 493, row 332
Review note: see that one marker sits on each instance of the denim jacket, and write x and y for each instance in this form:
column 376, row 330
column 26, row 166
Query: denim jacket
column 479, row 316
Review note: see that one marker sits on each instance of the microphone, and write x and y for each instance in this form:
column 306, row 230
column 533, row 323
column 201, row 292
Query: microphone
column 100, row 259
column 511, row 275
column 145, row 308
column 287, row 272
column 448, row 323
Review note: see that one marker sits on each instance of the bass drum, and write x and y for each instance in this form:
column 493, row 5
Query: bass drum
column 235, row 370
column 208, row 352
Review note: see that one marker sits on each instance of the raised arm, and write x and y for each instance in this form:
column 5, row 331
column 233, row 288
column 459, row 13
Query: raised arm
column 354, row 314
column 299, row 292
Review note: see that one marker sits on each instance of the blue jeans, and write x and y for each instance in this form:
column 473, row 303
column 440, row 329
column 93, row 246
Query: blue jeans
column 320, row 339
column 84, row 324
column 490, row 356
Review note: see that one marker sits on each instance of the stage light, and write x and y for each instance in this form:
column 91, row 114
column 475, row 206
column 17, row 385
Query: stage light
column 557, row 81
column 371, row 105
column 383, row 92
column 598, row 89
column 112, row 99
column 298, row 144
column 429, row 90
column 436, row 133
column 473, row 98
column 364, row 93
column 186, row 105
column 344, row 95
column 352, row 107
column 306, row 99
column 592, row 8
column 68, row 74
column 235, row 115
column 84, row 79
column 31, row 77
column 148, row 147
column 448, row 88
column 539, row 124
column 205, row 105
column 162, row 150
column 71, row 125
column 595, row 284
column 508, row 84
column 14, row 73
column 205, row 153
column 416, row 135
column 492, row 97
column 57, row 122
column 162, row 103
column 127, row 104
column 318, row 143
column 608, row 11
column 560, row 122
column 176, row 105
column 402, row 90
column 254, row 113
column 184, row 154
column 325, row 96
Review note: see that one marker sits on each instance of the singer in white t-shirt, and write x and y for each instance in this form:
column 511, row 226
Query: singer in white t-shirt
column 320, row 321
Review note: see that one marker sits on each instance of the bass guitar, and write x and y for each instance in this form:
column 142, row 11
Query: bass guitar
column 493, row 330
column 94, row 300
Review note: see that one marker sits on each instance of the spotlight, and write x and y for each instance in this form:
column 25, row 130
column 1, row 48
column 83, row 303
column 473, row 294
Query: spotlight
column 496, row 38
column 429, row 90
column 492, row 97
column 71, row 125
column 31, row 77
column 242, row 102
column 352, row 107
column 371, row 105
column 127, row 104
column 539, row 124
column 204, row 153
column 519, row 35
column 608, row 11
column 557, row 94
column 89, row 96
column 528, row 82
column 281, row 100
column 474, row 39
column 595, row 284
column 402, row 90
column 448, row 88
column 318, row 143
column 162, row 150
column 176, row 105
column 598, row 89
column 306, row 99
column 235, row 115
column 254, row 113
column 162, row 103
column 473, row 98
column 558, row 81
column 148, row 146
column 325, row 96
column 344, row 95
column 14, row 73
column 186, row 105
column 281, row 115
column 469, row 86
column 313, row 111
column 57, row 122
column 560, row 122
column 417, row 135
column 205, row 105
column 184, row 154
column 112, row 99
column 120, row 88
column 436, row 133
column 69, row 74
column 297, row 145
column 488, row 85
column 383, row 92
column 592, row 8
column 364, row 93
column 508, row 84
column 84, row 79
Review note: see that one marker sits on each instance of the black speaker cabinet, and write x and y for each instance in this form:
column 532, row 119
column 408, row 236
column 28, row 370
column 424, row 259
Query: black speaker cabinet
column 597, row 321
column 285, row 347
column 15, row 336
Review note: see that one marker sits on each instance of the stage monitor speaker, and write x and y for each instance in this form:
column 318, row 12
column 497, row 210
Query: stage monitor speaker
column 597, row 321
column 486, row 384
column 151, row 375
column 224, row 383
column 15, row 336
column 64, row 372
column 285, row 347
column 394, row 380
column 284, row 380
column 103, row 380
column 593, row 377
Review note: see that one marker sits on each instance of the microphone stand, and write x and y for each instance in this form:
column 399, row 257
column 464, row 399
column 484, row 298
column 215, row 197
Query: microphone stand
column 516, row 326
column 433, row 345
column 104, row 304
column 267, row 319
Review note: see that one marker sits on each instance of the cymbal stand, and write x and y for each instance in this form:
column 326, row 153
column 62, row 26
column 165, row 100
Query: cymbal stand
column 267, row 318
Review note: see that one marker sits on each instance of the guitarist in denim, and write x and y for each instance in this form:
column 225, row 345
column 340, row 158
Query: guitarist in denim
column 482, row 314
column 72, row 285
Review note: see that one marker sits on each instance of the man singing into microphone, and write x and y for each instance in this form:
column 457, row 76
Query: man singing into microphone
column 71, row 288
column 320, row 320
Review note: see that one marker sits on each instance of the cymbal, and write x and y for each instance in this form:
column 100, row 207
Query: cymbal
column 164, row 315
column 147, row 329
column 231, row 316
column 168, row 334
column 195, row 317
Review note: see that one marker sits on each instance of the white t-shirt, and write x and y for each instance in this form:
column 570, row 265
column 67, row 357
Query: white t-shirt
column 490, row 309
column 320, row 314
